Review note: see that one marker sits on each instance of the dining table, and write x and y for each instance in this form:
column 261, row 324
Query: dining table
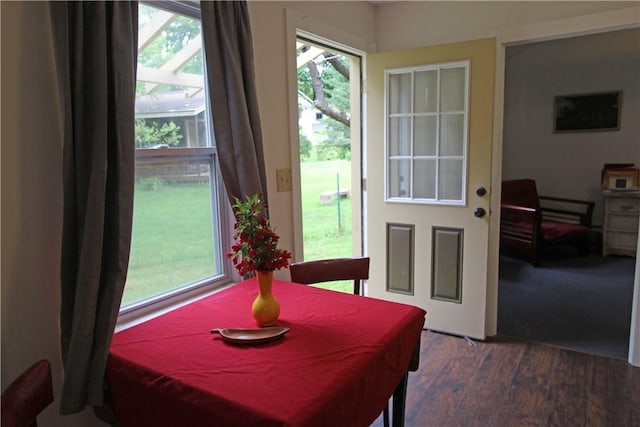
column 336, row 361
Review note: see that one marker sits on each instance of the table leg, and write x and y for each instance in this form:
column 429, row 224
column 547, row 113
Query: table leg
column 399, row 400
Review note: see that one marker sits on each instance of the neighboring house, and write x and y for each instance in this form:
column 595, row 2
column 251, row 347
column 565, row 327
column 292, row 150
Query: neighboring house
column 181, row 108
column 310, row 122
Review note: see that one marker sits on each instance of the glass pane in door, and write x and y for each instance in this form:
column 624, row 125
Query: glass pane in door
column 426, row 91
column 450, row 179
column 399, row 175
column 451, row 134
column 452, row 89
column 424, row 179
column 424, row 135
column 426, row 143
column 400, row 93
column 399, row 136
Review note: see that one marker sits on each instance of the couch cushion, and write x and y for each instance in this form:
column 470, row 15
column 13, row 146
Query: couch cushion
column 552, row 230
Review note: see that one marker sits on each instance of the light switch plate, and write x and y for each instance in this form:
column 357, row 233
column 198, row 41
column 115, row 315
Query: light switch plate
column 283, row 179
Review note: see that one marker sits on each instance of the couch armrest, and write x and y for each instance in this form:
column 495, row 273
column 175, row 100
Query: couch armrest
column 520, row 222
column 517, row 209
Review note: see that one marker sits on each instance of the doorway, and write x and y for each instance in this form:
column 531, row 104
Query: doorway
column 589, row 308
column 329, row 155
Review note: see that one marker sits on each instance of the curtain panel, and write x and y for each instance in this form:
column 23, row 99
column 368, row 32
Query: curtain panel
column 228, row 50
column 96, row 56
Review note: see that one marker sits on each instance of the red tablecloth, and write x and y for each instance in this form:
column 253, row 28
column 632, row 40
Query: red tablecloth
column 337, row 366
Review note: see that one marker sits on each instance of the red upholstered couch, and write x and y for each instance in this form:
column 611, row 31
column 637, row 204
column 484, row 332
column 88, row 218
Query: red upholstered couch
column 529, row 221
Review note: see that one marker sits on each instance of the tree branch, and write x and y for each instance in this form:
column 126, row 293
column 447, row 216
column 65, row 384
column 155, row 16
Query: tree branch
column 337, row 64
column 320, row 101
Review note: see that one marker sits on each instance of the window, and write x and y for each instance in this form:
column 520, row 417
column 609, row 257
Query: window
column 177, row 243
column 426, row 134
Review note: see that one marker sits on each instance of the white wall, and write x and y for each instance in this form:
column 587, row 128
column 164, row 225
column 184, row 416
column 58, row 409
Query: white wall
column 569, row 164
column 31, row 199
column 403, row 25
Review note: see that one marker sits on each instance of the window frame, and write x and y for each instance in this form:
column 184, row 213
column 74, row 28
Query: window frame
column 220, row 208
column 438, row 114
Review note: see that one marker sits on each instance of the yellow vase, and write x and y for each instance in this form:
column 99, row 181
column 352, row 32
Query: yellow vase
column 265, row 308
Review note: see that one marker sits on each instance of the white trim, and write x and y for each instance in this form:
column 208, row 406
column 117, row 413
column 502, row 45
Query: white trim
column 141, row 315
column 493, row 248
column 313, row 29
column 301, row 25
column 618, row 19
column 634, row 337
column 164, row 114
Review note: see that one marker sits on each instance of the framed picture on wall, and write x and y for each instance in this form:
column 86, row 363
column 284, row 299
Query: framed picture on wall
column 592, row 112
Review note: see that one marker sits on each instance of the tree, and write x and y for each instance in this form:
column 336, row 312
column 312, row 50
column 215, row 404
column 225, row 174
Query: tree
column 148, row 135
column 305, row 144
column 324, row 83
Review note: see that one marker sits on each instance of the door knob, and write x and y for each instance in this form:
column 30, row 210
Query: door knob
column 479, row 212
column 481, row 191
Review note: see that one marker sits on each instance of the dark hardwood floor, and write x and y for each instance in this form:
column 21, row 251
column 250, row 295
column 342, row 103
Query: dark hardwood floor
column 507, row 382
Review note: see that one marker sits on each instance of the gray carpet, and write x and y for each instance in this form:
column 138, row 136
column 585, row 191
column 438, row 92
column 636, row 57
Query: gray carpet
column 581, row 303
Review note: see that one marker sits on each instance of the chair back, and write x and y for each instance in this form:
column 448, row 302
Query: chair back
column 27, row 396
column 520, row 192
column 327, row 270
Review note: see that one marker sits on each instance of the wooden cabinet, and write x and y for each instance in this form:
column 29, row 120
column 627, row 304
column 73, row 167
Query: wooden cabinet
column 620, row 227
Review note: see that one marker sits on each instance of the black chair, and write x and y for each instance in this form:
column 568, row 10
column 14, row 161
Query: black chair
column 329, row 270
column 27, row 396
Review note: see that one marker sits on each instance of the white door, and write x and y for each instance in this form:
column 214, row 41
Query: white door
column 428, row 143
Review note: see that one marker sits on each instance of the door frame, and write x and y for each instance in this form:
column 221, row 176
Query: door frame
column 564, row 28
column 298, row 24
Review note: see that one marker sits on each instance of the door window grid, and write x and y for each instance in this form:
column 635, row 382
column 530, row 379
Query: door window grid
column 426, row 134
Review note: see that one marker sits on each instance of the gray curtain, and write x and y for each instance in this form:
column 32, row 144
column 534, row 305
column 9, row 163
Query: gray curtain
column 96, row 54
column 226, row 34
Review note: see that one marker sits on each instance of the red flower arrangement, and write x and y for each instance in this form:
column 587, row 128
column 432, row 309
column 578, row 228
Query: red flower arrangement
column 256, row 247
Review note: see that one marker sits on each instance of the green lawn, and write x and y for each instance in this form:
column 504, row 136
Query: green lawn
column 325, row 236
column 172, row 230
column 171, row 243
